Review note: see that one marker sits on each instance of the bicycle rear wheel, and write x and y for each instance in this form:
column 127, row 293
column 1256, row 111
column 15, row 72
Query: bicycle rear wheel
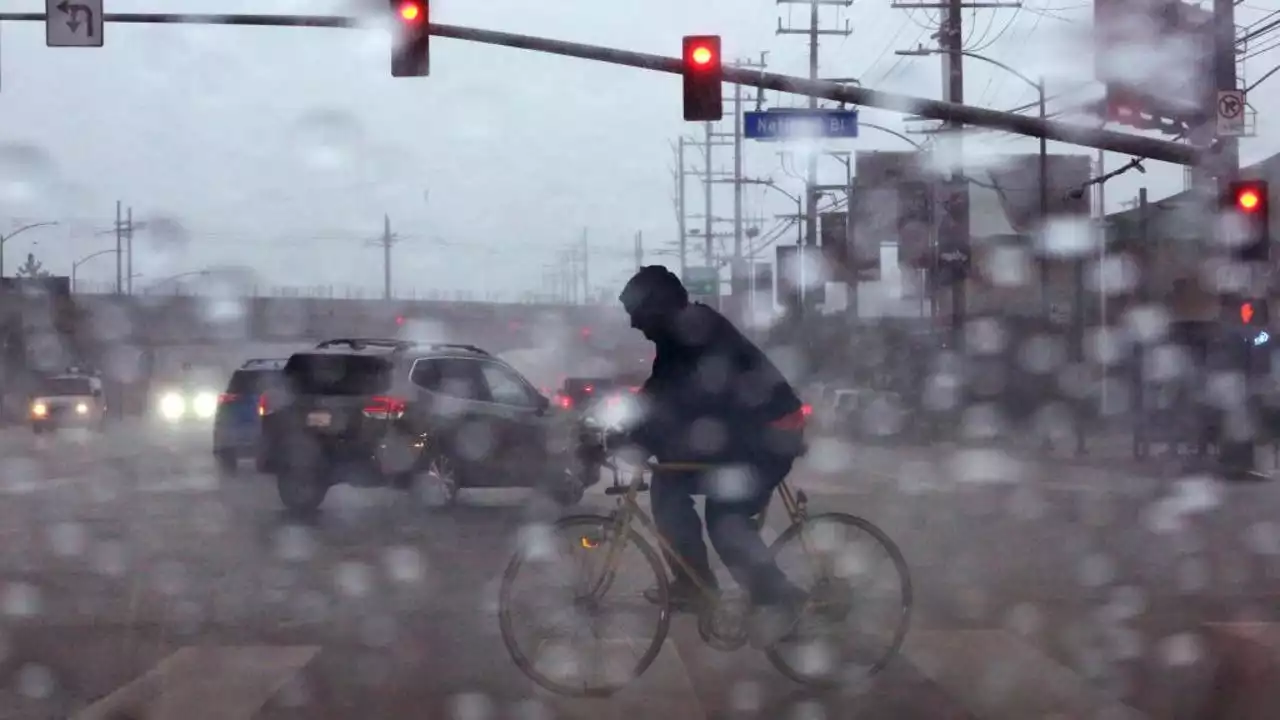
column 822, row 653
column 567, row 593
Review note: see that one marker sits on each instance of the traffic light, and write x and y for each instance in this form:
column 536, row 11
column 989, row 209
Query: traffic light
column 1246, row 201
column 703, row 95
column 410, row 50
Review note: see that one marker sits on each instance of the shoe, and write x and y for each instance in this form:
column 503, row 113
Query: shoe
column 771, row 624
column 683, row 596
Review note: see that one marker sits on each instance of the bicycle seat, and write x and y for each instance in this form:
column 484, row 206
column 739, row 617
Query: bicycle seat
column 622, row 489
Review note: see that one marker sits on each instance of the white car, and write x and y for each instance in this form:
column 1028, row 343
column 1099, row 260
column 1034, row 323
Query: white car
column 180, row 405
column 68, row 401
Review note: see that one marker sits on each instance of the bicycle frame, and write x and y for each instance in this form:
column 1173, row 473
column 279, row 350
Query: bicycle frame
column 793, row 503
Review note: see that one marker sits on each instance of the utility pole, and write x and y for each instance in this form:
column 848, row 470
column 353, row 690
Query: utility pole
column 681, row 209
column 639, row 250
column 129, row 251
column 814, row 32
column 708, row 247
column 387, row 240
column 739, row 281
column 586, row 273
column 386, row 257
column 119, row 248
column 953, row 43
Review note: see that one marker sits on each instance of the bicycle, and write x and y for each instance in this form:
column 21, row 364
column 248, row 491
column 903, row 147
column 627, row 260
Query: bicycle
column 596, row 532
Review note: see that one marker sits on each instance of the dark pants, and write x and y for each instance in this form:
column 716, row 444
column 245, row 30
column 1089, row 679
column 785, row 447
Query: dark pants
column 734, row 499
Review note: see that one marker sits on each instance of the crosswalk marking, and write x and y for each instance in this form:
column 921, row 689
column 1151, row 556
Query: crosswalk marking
column 996, row 676
column 665, row 690
column 205, row 683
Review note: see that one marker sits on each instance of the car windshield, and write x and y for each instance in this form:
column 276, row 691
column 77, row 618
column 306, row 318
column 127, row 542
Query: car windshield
column 250, row 382
column 337, row 374
column 66, row 386
column 1029, row 243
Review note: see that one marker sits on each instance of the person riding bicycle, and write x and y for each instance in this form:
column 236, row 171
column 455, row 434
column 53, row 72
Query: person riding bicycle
column 714, row 398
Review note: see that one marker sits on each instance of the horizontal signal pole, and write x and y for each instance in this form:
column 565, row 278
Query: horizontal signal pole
column 1162, row 150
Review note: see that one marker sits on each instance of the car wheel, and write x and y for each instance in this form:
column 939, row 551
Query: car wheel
column 301, row 490
column 227, row 462
column 437, row 484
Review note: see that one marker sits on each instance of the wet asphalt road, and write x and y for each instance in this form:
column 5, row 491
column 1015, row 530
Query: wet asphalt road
column 126, row 553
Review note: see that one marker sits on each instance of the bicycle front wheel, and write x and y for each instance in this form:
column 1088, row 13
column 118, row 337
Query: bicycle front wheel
column 859, row 605
column 578, row 577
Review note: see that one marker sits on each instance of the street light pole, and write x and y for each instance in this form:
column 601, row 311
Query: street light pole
column 76, row 264
column 4, row 239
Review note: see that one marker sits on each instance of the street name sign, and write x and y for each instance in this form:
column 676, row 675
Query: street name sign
column 801, row 123
column 73, row 23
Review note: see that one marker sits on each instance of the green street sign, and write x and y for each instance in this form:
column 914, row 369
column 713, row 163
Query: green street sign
column 702, row 281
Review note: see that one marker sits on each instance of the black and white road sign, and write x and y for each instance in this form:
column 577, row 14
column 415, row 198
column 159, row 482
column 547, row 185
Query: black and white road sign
column 73, row 23
column 1231, row 106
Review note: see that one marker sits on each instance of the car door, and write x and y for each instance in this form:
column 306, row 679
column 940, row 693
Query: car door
column 521, row 418
column 457, row 411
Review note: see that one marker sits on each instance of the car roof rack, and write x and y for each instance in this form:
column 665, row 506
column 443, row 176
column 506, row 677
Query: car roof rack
column 264, row 363
column 362, row 343
column 461, row 346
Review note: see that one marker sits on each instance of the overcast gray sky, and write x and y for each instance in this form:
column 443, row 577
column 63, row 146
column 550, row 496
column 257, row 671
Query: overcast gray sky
column 281, row 149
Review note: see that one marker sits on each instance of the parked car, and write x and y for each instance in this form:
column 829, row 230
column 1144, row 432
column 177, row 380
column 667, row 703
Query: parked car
column 237, row 422
column 70, row 400
column 432, row 418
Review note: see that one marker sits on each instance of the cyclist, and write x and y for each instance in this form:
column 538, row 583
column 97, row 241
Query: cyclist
column 713, row 397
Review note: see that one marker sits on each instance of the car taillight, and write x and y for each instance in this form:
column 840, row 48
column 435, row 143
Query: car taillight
column 383, row 407
column 806, row 410
column 564, row 401
column 796, row 421
column 635, row 389
column 262, row 405
column 225, row 398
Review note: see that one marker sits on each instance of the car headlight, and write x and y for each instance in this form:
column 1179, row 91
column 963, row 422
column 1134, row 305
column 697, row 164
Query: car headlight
column 82, row 409
column 39, row 409
column 172, row 406
column 205, row 405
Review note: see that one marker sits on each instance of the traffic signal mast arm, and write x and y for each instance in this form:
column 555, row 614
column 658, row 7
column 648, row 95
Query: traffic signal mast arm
column 1162, row 150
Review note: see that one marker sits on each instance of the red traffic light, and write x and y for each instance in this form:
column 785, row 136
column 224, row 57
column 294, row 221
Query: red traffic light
column 412, row 11
column 703, row 74
column 1246, row 313
column 1248, row 199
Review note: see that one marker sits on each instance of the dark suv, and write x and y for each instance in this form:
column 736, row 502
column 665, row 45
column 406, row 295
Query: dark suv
column 434, row 418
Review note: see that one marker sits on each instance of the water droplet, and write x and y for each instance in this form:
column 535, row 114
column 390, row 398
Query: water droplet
column 404, row 564
column 21, row 600
column 1181, row 650
column 354, row 579
column 35, row 681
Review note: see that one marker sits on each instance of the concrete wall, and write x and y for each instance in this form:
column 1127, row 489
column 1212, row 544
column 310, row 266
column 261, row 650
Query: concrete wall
column 187, row 320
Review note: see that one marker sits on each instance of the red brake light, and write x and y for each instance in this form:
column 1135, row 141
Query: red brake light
column 806, row 410
column 225, row 398
column 635, row 389
column 262, row 404
column 795, row 421
column 384, row 407
column 564, row 401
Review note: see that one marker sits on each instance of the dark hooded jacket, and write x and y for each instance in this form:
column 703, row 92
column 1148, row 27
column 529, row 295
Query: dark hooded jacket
column 714, row 397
